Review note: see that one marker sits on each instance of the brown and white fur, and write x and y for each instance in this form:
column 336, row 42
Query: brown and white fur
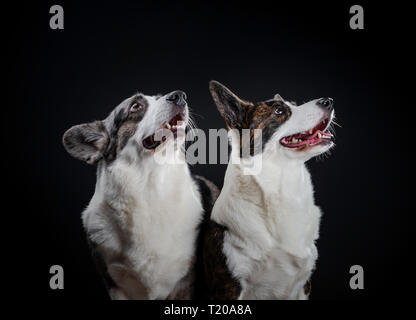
column 143, row 220
column 261, row 240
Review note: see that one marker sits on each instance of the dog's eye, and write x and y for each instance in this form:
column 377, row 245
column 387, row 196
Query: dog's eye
column 135, row 106
column 279, row 110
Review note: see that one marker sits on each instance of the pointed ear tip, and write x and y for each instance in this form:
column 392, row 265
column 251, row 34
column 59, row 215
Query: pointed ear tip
column 215, row 83
column 215, row 86
column 212, row 84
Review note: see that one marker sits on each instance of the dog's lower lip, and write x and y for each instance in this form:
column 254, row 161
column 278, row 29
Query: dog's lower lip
column 172, row 125
column 312, row 137
column 150, row 143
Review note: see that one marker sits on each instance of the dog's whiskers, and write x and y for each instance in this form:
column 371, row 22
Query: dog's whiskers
column 191, row 126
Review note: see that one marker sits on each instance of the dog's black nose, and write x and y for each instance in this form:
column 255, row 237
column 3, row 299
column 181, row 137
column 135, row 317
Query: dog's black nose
column 178, row 97
column 326, row 103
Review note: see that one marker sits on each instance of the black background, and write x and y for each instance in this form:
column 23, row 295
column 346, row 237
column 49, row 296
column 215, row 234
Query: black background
column 107, row 52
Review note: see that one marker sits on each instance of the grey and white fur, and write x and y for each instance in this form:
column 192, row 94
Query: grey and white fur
column 143, row 219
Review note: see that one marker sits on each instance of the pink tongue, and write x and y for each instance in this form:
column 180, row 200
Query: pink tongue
column 310, row 140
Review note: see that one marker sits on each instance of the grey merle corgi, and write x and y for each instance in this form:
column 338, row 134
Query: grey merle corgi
column 143, row 220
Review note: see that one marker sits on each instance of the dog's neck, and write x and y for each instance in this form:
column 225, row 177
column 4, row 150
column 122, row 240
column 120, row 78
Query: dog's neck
column 144, row 205
column 144, row 182
column 271, row 207
column 146, row 167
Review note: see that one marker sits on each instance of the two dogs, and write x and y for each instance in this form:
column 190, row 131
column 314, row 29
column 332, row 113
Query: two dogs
column 158, row 232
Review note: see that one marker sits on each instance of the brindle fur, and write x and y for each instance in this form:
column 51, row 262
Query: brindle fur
column 220, row 283
column 238, row 114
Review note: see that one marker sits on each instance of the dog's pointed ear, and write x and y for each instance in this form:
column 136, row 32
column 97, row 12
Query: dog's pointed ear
column 231, row 107
column 87, row 142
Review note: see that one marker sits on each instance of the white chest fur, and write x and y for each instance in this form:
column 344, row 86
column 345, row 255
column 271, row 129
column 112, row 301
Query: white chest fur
column 272, row 223
column 144, row 219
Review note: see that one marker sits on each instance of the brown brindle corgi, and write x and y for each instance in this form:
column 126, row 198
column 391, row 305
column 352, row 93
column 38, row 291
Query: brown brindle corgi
column 260, row 242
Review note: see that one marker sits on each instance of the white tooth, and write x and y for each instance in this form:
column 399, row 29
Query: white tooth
column 319, row 135
column 310, row 131
column 168, row 125
column 294, row 140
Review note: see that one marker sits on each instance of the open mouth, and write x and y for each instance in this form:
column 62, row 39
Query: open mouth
column 172, row 125
column 315, row 136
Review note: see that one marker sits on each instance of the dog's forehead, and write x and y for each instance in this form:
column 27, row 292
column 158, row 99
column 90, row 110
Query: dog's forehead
column 278, row 97
column 139, row 97
column 278, row 100
column 146, row 97
column 268, row 104
column 123, row 107
column 126, row 102
column 150, row 99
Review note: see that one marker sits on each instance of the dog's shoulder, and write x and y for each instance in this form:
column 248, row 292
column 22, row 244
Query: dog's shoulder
column 221, row 285
column 214, row 280
column 209, row 193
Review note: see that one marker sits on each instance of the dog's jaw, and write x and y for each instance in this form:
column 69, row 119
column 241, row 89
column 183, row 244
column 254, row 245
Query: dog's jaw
column 317, row 135
column 168, row 129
